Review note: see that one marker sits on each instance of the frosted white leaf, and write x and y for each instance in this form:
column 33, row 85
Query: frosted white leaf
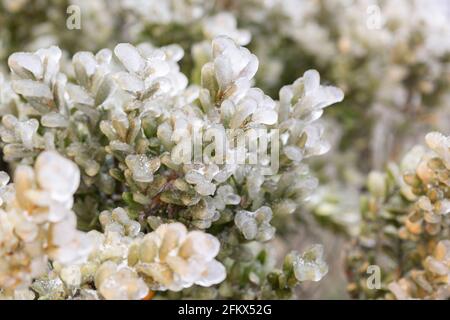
column 205, row 188
column 129, row 56
column 265, row 233
column 249, row 228
column 246, row 223
column 293, row 153
column 54, row 120
column 4, row 178
column 314, row 144
column 50, row 58
column 194, row 177
column 398, row 291
column 129, row 82
column 215, row 273
column 444, row 207
column 142, row 167
column 435, row 266
column 330, row 95
column 310, row 265
column 267, row 116
column 27, row 130
column 64, row 231
column 173, row 52
column 424, row 203
column 174, row 258
column 233, row 64
column 27, row 231
column 263, row 214
column 30, row 88
column 311, row 80
column 84, row 64
column 121, row 146
column 79, row 95
column 441, row 145
column 104, row 56
column 24, row 294
column 119, row 283
column 244, row 109
column 71, row 276
column 57, row 175
column 26, row 64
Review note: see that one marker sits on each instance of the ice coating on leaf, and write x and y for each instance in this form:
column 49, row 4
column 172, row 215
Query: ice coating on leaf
column 4, row 178
column 441, row 145
column 130, row 57
column 50, row 58
column 202, row 177
column 129, row 82
column 84, row 65
column 38, row 220
column 149, row 71
column 310, row 266
column 307, row 97
column 79, row 95
column 173, row 258
column 57, row 175
column 25, row 64
column 33, row 89
column 142, row 167
column 225, row 195
column 123, row 118
column 26, row 131
column 54, row 120
column 234, row 66
column 255, row 225
column 427, row 169
column 119, row 283
column 256, row 104
column 416, row 193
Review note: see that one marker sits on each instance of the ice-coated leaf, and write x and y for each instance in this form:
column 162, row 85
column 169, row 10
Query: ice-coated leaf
column 129, row 82
column 441, row 145
column 255, row 225
column 4, row 178
column 26, row 65
column 27, row 130
column 54, row 120
column 79, row 95
column 84, row 64
column 266, row 116
column 129, row 56
column 310, row 266
column 104, row 90
column 50, row 58
column 205, row 188
column 142, row 167
column 30, row 88
column 311, row 80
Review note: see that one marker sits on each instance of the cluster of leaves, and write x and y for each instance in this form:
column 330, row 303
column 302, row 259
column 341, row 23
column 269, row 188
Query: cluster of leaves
column 405, row 229
column 124, row 118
